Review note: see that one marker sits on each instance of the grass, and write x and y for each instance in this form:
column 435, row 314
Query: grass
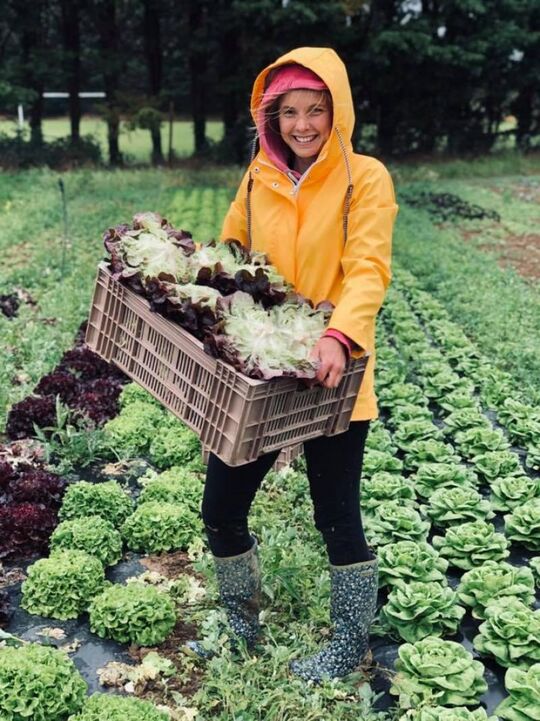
column 434, row 169
column 135, row 145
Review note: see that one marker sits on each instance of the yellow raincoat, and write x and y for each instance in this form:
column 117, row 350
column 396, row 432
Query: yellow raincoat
column 301, row 227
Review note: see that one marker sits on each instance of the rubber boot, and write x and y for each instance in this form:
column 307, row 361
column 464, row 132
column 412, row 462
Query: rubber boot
column 239, row 583
column 353, row 602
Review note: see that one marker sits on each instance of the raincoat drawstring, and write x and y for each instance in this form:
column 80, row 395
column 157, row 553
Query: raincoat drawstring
column 350, row 187
column 249, row 187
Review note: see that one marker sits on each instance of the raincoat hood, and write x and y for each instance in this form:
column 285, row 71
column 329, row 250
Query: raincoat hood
column 325, row 63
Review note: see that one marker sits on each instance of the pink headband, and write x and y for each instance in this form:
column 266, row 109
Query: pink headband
column 289, row 77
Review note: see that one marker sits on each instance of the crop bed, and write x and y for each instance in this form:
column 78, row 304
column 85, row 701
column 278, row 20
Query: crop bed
column 450, row 498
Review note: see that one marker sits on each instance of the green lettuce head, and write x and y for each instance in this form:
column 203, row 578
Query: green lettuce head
column 410, row 561
column 63, row 585
column 474, row 441
column 523, row 524
column 524, row 688
column 135, row 613
column 534, row 563
column 38, row 683
column 494, row 464
column 107, row 500
column 384, row 486
column 415, row 430
column 415, row 610
column 451, row 506
column 157, row 526
column 470, row 544
column 109, row 707
column 495, row 580
column 93, row 534
column 392, row 521
column 507, row 493
column 429, row 451
column 377, row 461
column 437, row 671
column 510, row 633
column 432, row 476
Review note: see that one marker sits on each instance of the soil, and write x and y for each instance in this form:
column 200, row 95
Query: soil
column 520, row 252
column 171, row 565
column 171, row 649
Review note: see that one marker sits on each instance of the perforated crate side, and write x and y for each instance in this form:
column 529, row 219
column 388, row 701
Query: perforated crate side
column 288, row 455
column 237, row 417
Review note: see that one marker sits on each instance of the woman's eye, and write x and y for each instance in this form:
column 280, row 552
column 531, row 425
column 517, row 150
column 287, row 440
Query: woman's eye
column 288, row 113
column 317, row 111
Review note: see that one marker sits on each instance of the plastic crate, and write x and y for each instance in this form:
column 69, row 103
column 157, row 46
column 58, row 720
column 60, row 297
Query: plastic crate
column 236, row 417
column 285, row 458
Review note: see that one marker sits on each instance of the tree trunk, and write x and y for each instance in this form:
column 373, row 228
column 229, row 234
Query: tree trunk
column 72, row 48
column 523, row 110
column 197, row 68
column 235, row 136
column 152, row 47
column 36, row 116
column 385, row 129
column 107, row 27
column 30, row 22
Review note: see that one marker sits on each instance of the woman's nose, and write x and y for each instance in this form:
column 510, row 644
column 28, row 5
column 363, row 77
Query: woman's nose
column 302, row 122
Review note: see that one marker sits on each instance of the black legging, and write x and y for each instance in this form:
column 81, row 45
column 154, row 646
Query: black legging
column 334, row 467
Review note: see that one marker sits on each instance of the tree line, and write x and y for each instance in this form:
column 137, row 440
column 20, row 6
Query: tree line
column 427, row 75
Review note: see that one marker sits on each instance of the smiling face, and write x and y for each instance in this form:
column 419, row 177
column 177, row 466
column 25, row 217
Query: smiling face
column 305, row 122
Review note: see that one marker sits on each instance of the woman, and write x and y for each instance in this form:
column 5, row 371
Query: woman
column 324, row 215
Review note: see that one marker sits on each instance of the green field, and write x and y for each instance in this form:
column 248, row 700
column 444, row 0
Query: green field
column 457, row 379
column 135, row 145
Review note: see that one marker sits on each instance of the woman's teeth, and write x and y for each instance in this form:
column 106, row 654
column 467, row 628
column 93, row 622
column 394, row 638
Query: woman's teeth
column 307, row 139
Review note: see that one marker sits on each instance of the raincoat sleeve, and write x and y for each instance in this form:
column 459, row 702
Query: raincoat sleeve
column 235, row 223
column 366, row 258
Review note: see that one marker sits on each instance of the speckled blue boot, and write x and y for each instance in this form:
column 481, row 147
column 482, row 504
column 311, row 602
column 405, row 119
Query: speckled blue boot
column 239, row 583
column 353, row 603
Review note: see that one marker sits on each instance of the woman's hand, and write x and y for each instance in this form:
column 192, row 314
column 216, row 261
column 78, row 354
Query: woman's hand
column 332, row 359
